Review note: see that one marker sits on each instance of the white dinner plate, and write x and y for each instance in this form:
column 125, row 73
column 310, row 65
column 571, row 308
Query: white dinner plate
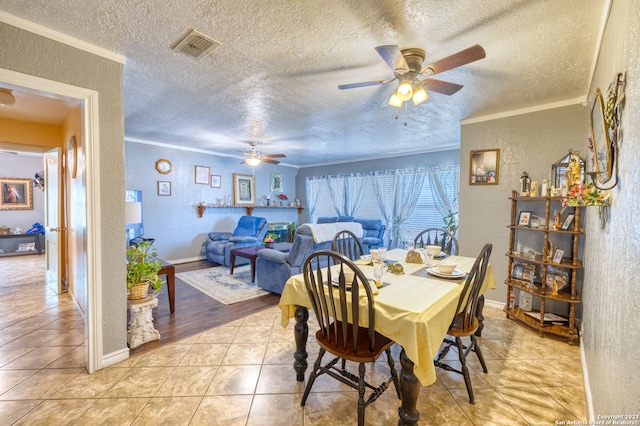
column 363, row 261
column 456, row 274
column 441, row 255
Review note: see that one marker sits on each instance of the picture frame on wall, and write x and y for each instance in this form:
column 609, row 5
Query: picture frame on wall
column 202, row 175
column 244, row 190
column 17, row 193
column 164, row 188
column 276, row 182
column 216, row 181
column 484, row 167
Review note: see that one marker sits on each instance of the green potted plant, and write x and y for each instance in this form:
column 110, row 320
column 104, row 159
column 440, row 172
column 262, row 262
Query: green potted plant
column 270, row 240
column 142, row 270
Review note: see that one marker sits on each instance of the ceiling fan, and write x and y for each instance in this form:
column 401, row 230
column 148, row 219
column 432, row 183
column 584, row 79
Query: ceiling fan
column 253, row 157
column 407, row 68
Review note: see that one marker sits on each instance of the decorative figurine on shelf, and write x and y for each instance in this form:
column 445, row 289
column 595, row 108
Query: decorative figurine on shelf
column 573, row 171
column 557, row 224
column 268, row 197
column 525, row 184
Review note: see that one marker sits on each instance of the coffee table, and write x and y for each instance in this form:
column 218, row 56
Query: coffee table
column 251, row 253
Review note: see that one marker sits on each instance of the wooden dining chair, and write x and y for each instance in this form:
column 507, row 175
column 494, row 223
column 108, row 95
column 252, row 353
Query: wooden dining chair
column 437, row 237
column 465, row 322
column 338, row 292
column 347, row 243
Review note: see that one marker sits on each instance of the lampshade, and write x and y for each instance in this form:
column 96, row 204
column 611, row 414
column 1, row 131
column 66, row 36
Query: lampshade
column 253, row 161
column 405, row 90
column 133, row 212
column 394, row 100
column 419, row 95
column 6, row 97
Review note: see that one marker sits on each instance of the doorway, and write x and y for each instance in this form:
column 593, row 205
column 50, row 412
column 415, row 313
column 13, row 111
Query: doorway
column 83, row 260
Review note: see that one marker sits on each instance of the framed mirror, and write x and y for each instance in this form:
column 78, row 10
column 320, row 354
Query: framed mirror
column 600, row 135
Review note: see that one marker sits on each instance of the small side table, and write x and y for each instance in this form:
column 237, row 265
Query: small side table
column 170, row 271
column 141, row 329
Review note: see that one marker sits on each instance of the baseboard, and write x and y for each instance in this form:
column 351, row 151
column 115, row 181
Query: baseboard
column 493, row 304
column 115, row 357
column 186, row 260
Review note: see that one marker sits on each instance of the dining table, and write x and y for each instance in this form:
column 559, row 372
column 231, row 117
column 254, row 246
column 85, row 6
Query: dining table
column 414, row 309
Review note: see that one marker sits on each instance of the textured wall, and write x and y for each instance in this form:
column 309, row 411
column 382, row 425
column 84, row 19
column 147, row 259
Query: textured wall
column 173, row 220
column 22, row 166
column 611, row 296
column 528, row 142
column 31, row 54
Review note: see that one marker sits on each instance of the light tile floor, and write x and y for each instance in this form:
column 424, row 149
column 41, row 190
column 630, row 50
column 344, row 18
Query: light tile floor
column 242, row 374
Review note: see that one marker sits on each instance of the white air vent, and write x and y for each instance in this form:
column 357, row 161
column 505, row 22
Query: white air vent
column 196, row 45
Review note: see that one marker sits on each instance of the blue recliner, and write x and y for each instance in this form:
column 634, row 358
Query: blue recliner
column 373, row 234
column 250, row 231
column 273, row 268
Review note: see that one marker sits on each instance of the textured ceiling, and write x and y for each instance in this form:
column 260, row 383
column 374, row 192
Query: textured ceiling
column 274, row 78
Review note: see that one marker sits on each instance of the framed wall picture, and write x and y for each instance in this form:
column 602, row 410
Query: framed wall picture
column 164, row 187
column 483, row 167
column 244, row 190
column 568, row 221
column 216, row 181
column 202, row 175
column 524, row 218
column 17, row 194
column 276, row 182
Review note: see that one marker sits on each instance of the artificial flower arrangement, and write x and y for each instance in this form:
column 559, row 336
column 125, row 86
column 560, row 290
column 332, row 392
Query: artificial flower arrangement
column 270, row 238
column 585, row 194
column 282, row 196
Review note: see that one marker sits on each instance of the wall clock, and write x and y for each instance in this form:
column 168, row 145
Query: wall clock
column 164, row 166
column 72, row 157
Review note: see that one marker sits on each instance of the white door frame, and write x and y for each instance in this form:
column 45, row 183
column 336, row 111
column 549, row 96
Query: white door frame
column 92, row 283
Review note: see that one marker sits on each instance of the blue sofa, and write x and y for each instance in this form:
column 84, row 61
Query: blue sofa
column 373, row 230
column 273, row 268
column 250, row 231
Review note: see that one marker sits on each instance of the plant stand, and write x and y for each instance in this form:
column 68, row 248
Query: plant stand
column 141, row 329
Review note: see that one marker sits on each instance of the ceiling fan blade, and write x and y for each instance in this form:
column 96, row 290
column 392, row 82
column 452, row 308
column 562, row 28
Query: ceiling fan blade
column 463, row 57
column 439, row 86
column 364, row 84
column 392, row 55
column 274, row 156
column 268, row 160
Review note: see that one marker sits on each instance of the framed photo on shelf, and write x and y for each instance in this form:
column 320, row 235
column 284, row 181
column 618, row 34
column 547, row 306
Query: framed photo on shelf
column 518, row 270
column 164, row 188
column 557, row 256
column 276, row 182
column 202, row 175
column 17, row 194
column 558, row 277
column 244, row 190
column 567, row 222
column 524, row 218
column 483, row 167
column 216, row 181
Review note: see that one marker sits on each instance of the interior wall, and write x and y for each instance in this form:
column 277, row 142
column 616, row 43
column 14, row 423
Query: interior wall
column 528, row 142
column 611, row 295
column 22, row 166
column 173, row 220
column 51, row 60
column 427, row 159
column 30, row 134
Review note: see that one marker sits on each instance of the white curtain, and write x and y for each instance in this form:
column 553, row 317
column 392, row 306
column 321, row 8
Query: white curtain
column 355, row 186
column 337, row 191
column 313, row 189
column 445, row 187
column 384, row 186
column 408, row 186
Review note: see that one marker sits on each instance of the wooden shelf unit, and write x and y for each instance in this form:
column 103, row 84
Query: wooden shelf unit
column 249, row 209
column 572, row 264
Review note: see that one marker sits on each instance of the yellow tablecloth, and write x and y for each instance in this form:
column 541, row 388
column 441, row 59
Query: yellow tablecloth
column 414, row 311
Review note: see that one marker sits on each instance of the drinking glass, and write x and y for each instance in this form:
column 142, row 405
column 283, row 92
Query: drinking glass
column 379, row 269
column 428, row 259
column 382, row 253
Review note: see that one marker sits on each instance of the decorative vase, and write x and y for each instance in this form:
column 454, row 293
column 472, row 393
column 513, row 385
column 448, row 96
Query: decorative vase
column 138, row 291
column 269, row 244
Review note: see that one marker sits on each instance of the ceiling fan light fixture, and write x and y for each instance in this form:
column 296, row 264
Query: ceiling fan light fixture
column 419, row 95
column 405, row 90
column 394, row 101
column 253, row 161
